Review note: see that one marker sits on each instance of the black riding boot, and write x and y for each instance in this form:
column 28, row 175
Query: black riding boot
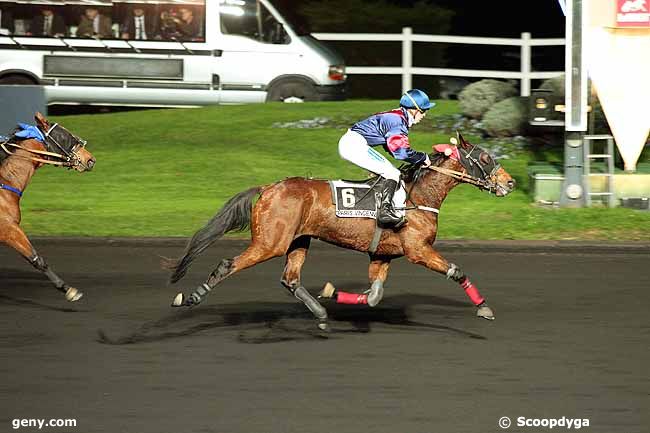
column 387, row 215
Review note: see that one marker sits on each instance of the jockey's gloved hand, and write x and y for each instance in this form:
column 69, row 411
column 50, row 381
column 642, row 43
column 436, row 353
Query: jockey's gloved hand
column 426, row 162
column 29, row 131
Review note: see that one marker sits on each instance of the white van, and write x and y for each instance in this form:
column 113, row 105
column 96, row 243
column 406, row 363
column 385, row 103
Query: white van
column 180, row 53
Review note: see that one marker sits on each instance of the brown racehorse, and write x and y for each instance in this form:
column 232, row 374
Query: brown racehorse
column 21, row 159
column 291, row 212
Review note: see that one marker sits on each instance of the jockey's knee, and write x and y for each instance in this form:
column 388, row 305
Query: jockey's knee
column 390, row 172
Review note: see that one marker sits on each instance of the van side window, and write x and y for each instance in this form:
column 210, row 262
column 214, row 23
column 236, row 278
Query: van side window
column 251, row 19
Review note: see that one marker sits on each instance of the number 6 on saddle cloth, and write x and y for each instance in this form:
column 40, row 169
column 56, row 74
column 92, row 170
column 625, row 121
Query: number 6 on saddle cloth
column 361, row 199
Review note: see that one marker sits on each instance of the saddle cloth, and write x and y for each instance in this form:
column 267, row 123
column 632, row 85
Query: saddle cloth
column 357, row 200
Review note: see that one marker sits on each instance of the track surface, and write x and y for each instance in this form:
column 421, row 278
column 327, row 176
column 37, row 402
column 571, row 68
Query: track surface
column 571, row 338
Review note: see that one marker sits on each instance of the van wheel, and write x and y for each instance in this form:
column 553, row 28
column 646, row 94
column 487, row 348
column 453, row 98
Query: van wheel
column 292, row 91
column 16, row 79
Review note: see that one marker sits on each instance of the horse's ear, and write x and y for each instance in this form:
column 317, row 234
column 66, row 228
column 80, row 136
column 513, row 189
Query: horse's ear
column 41, row 120
column 461, row 141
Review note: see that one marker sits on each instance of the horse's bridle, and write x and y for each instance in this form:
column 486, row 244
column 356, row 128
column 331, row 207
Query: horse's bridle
column 67, row 158
column 486, row 182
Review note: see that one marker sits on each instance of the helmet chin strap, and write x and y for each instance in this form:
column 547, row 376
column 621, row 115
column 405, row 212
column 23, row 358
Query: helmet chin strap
column 413, row 101
column 410, row 118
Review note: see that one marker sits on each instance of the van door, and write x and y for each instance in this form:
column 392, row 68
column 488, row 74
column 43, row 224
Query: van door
column 256, row 49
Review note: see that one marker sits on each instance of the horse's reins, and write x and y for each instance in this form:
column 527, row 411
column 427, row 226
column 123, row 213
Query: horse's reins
column 485, row 183
column 68, row 159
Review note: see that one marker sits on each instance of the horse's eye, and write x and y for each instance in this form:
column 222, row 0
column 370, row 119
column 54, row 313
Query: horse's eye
column 485, row 158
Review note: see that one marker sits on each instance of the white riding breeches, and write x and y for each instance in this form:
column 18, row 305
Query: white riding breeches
column 354, row 148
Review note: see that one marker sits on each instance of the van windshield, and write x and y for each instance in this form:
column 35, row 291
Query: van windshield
column 298, row 22
column 161, row 20
column 250, row 18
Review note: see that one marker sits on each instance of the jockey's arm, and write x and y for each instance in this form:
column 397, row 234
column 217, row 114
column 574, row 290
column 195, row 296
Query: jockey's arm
column 399, row 147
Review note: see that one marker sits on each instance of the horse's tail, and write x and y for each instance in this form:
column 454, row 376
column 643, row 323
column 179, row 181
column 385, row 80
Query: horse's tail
column 235, row 215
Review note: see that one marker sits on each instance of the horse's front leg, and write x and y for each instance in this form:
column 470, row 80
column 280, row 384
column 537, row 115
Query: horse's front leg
column 14, row 236
column 425, row 255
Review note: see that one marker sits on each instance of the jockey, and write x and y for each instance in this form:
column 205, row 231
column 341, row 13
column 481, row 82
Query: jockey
column 389, row 129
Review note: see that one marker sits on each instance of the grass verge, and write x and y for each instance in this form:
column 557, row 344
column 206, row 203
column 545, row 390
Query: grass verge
column 166, row 172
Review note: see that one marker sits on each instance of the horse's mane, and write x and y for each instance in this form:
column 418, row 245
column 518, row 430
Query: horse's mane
column 412, row 172
column 10, row 139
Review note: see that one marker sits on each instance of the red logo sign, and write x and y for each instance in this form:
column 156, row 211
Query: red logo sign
column 632, row 13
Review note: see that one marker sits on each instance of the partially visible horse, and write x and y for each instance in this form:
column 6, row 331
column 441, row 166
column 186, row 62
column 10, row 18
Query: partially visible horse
column 20, row 159
column 291, row 212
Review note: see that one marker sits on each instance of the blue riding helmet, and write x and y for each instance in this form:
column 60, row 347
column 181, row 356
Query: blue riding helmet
column 417, row 99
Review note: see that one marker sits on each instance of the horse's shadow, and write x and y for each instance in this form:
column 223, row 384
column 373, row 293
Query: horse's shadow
column 27, row 280
column 8, row 300
column 272, row 322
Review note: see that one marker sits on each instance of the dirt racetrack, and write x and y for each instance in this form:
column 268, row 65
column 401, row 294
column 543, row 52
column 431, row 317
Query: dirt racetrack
column 570, row 339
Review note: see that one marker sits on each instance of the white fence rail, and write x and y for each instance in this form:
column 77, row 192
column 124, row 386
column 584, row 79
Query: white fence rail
column 407, row 70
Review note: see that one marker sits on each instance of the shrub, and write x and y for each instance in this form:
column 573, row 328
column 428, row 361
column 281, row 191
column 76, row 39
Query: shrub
column 506, row 118
column 556, row 85
column 477, row 98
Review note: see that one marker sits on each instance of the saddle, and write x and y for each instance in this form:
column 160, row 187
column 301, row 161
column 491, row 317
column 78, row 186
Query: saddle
column 361, row 199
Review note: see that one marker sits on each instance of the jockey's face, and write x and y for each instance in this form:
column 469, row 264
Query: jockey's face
column 417, row 115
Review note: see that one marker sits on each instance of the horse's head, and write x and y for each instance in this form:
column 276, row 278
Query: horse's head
column 478, row 166
column 70, row 148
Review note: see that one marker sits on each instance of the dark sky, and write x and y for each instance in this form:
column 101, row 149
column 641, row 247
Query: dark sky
column 497, row 18
column 505, row 18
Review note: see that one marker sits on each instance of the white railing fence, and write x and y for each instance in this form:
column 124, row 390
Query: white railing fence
column 407, row 70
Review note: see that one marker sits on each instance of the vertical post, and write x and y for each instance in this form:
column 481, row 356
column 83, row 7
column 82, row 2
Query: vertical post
column 575, row 124
column 525, row 64
column 407, row 59
column 610, row 171
column 586, row 152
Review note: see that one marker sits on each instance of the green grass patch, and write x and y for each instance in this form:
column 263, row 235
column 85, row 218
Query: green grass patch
column 166, row 172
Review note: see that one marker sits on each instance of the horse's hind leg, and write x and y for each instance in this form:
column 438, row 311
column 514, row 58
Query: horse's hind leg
column 257, row 252
column 13, row 236
column 291, row 280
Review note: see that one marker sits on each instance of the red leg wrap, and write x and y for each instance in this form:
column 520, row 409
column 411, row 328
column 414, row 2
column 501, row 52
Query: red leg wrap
column 351, row 298
column 472, row 291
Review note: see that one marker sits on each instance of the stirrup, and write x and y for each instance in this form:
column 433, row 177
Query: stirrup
column 391, row 221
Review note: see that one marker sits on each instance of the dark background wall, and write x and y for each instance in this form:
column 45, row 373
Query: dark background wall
column 504, row 18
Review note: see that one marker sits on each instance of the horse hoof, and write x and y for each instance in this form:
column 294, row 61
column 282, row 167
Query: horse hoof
column 178, row 300
column 73, row 295
column 485, row 312
column 327, row 292
column 323, row 326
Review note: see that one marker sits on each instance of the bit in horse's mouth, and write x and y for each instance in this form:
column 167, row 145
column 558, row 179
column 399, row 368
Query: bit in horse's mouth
column 502, row 191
